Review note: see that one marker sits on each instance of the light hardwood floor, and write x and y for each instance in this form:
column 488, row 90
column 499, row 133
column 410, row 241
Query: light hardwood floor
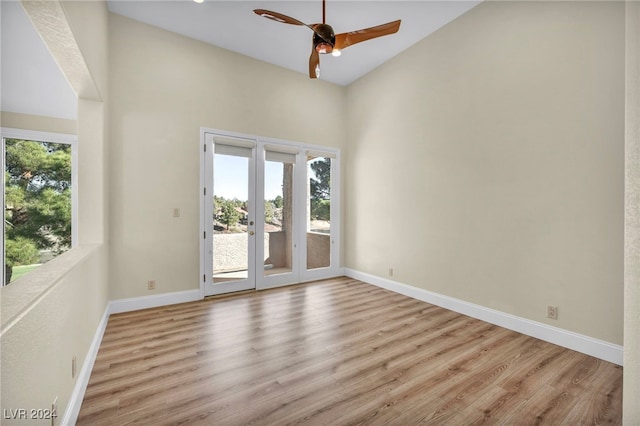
column 337, row 352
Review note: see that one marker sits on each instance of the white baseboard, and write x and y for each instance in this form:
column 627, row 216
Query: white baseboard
column 577, row 342
column 77, row 395
column 145, row 302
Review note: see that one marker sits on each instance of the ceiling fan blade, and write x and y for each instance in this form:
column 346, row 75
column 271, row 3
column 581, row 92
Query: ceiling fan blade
column 314, row 63
column 345, row 40
column 278, row 17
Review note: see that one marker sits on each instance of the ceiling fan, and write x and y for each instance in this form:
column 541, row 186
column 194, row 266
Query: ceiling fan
column 325, row 40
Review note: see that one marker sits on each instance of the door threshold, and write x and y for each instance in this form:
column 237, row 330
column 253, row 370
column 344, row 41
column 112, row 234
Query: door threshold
column 231, row 294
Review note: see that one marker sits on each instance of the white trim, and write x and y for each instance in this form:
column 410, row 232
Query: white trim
column 145, row 302
column 75, row 191
column 77, row 395
column 336, row 209
column 574, row 341
column 35, row 135
column 283, row 143
column 206, row 209
column 258, row 259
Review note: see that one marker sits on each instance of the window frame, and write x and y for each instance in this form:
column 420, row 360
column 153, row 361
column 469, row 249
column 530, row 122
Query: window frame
column 40, row 136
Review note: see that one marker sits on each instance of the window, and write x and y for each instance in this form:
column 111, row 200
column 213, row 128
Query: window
column 38, row 198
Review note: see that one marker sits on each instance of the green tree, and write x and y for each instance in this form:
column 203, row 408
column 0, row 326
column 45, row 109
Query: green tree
column 228, row 213
column 320, row 188
column 269, row 212
column 321, row 181
column 278, row 202
column 37, row 200
column 23, row 251
column 321, row 209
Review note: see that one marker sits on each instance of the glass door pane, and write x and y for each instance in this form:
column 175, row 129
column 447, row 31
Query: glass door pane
column 318, row 212
column 232, row 226
column 278, row 213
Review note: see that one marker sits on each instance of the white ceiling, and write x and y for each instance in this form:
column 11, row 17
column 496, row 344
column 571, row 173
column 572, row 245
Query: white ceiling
column 32, row 83
column 232, row 25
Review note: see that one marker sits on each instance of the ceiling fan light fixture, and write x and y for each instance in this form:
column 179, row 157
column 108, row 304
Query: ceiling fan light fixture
column 324, row 48
column 198, row 1
column 323, row 38
column 336, row 52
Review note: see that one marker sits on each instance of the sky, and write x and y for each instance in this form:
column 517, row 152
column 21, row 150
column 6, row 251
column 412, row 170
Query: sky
column 231, row 178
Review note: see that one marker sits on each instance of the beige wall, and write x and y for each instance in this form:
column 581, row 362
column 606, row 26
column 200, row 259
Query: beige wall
column 43, row 331
column 89, row 22
column 39, row 342
column 164, row 87
column 34, row 122
column 486, row 163
column 631, row 391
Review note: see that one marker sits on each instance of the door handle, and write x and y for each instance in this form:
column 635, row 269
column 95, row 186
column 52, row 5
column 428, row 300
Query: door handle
column 251, row 232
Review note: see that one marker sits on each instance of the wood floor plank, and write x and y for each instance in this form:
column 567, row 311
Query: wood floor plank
column 337, row 352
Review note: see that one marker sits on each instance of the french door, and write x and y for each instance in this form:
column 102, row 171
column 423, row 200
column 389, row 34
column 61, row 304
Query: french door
column 269, row 215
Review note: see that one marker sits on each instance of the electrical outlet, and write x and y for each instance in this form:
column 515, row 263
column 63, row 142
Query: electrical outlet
column 73, row 367
column 390, row 272
column 151, row 284
column 176, row 212
column 552, row 312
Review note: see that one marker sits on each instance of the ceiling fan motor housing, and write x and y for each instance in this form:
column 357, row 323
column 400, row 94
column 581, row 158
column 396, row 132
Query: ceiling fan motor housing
column 324, row 38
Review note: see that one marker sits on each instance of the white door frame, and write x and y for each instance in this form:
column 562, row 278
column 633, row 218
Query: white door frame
column 299, row 271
